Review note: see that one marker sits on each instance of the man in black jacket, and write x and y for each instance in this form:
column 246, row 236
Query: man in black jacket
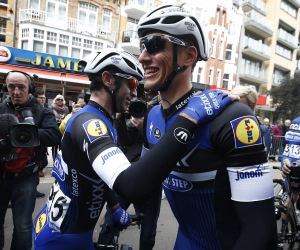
column 19, row 177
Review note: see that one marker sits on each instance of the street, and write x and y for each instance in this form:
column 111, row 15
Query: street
column 166, row 227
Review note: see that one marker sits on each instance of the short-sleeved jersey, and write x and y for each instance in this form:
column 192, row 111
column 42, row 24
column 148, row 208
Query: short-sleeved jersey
column 224, row 161
column 291, row 152
column 79, row 194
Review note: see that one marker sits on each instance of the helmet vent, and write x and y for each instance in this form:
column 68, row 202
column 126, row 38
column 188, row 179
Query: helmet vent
column 172, row 19
column 153, row 21
column 104, row 58
column 130, row 64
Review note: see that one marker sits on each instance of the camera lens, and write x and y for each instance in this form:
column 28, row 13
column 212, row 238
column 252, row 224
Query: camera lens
column 23, row 137
column 138, row 108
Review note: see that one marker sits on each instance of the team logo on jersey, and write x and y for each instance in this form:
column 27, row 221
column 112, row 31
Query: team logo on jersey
column 182, row 135
column 57, row 168
column 157, row 133
column 246, row 132
column 40, row 223
column 177, row 183
column 95, row 129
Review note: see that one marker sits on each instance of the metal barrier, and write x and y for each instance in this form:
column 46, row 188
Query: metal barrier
column 277, row 147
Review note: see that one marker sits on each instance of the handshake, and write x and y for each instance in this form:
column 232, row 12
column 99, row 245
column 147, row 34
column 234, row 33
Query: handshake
column 205, row 106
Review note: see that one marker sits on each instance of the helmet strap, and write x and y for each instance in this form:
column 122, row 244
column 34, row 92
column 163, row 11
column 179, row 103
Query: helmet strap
column 113, row 93
column 176, row 70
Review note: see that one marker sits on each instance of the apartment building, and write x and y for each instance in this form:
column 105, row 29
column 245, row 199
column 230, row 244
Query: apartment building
column 269, row 45
column 48, row 37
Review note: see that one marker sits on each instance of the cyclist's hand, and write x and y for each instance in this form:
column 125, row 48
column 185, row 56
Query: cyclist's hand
column 120, row 217
column 286, row 169
column 205, row 106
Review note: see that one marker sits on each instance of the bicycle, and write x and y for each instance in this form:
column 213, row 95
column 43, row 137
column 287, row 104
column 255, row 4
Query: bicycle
column 116, row 233
column 289, row 230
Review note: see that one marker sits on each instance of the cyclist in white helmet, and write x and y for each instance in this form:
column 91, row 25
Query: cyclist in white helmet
column 220, row 191
column 90, row 164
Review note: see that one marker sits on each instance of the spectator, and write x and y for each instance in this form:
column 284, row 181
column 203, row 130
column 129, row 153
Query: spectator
column 90, row 164
column 248, row 95
column 80, row 103
column 217, row 206
column 60, row 110
column 19, row 177
column 39, row 95
column 286, row 126
column 277, row 140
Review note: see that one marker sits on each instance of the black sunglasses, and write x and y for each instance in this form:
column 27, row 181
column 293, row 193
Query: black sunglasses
column 157, row 42
column 59, row 99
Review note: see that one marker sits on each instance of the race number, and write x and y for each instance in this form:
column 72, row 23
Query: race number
column 57, row 205
column 292, row 150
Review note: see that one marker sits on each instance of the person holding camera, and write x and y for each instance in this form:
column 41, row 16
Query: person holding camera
column 19, row 171
column 80, row 103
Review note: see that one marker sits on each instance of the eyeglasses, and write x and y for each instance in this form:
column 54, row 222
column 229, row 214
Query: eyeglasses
column 133, row 82
column 59, row 99
column 157, row 42
column 41, row 97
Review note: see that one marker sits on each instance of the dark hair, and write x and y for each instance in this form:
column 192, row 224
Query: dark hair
column 96, row 83
column 80, row 96
column 38, row 91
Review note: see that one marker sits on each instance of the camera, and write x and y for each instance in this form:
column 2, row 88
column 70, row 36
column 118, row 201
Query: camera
column 138, row 108
column 25, row 135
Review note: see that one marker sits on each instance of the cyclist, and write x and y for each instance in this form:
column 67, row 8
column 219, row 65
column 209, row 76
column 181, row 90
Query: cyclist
column 221, row 190
column 90, row 163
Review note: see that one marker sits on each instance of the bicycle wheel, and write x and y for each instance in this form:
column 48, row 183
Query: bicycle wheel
column 286, row 231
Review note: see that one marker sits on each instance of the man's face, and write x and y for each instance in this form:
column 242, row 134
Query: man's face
column 41, row 99
column 287, row 123
column 266, row 123
column 18, row 85
column 158, row 64
column 124, row 96
column 280, row 123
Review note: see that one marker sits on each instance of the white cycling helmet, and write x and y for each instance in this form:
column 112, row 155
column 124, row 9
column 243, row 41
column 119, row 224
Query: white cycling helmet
column 178, row 22
column 112, row 60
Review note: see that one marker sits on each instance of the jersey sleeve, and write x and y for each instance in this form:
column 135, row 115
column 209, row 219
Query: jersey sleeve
column 93, row 136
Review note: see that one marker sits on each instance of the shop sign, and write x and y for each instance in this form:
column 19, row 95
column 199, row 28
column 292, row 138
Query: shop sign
column 39, row 60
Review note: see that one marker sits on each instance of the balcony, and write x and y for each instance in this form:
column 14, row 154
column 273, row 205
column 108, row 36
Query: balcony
column 130, row 42
column 257, row 5
column 296, row 3
column 258, row 24
column 65, row 23
column 256, row 49
column 250, row 73
column 287, row 39
column 137, row 8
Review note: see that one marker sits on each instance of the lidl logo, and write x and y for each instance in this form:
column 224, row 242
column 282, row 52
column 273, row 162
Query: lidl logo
column 246, row 132
column 95, row 129
column 40, row 223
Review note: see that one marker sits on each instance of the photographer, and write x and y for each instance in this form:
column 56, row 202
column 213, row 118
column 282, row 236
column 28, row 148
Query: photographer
column 19, row 174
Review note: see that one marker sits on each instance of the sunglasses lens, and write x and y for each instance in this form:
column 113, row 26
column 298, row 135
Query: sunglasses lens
column 153, row 44
column 133, row 83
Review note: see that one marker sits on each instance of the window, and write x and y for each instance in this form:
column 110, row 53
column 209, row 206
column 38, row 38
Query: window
column 217, row 16
column 213, row 47
column 75, row 53
column 225, row 81
column 87, row 43
column 87, row 14
column 228, row 51
column 24, row 44
column 51, row 36
column 223, row 18
column 199, row 75
column 38, row 46
column 51, row 48
column 63, row 39
column 34, row 4
column 221, row 50
column 38, row 34
column 76, row 41
column 25, row 32
column 106, row 19
column 57, row 10
column 98, row 46
column 218, row 78
column 210, row 76
column 63, row 50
